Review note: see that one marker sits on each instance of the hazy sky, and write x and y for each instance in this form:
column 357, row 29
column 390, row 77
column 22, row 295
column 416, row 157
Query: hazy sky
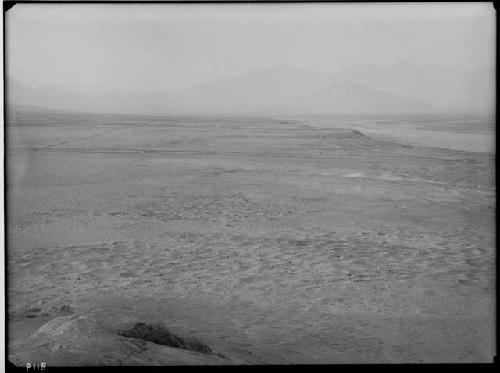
column 104, row 47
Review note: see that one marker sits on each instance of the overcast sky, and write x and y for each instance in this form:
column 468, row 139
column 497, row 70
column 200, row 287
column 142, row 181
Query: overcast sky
column 95, row 48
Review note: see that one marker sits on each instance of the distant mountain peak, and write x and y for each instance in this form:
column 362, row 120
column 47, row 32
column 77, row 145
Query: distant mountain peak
column 401, row 87
column 348, row 97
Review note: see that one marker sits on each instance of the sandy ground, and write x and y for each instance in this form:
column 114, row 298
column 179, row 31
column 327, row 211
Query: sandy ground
column 272, row 240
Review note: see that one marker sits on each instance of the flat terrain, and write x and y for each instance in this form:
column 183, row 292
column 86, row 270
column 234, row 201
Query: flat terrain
column 306, row 240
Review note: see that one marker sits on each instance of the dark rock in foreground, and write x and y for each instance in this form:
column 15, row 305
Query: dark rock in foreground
column 159, row 334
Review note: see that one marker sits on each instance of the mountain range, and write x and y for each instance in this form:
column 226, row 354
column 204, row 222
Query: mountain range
column 363, row 89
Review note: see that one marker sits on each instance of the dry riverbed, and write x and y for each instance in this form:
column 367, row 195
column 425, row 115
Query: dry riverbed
column 268, row 240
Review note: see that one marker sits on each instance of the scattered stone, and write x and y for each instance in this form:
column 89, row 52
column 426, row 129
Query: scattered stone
column 63, row 310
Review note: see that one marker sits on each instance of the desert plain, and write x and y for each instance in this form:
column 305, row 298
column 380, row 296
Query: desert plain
column 304, row 240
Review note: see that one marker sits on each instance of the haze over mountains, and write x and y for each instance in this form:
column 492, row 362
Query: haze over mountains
column 362, row 89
